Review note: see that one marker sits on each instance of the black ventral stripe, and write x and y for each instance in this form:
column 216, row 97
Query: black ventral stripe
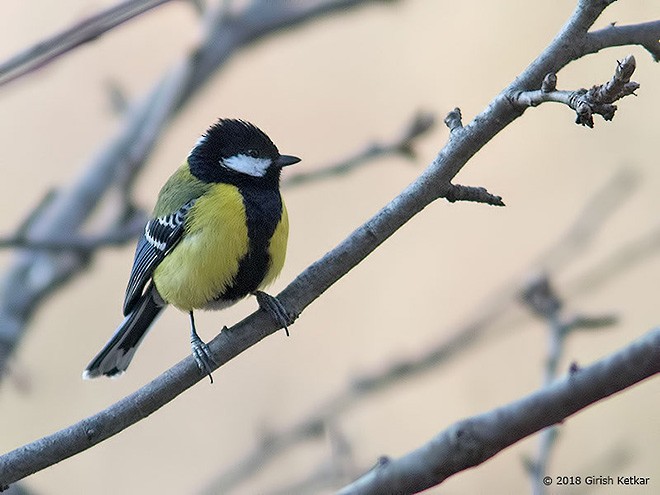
column 263, row 209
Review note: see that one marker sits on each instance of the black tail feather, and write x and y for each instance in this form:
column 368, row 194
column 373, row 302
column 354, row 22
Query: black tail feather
column 116, row 355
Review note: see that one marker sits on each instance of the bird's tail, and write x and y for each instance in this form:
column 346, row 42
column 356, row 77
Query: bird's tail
column 115, row 357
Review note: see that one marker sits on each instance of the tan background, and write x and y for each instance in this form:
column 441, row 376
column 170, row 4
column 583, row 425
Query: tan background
column 322, row 92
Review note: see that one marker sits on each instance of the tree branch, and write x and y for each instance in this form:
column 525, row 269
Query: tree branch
column 589, row 220
column 542, row 299
column 435, row 181
column 644, row 34
column 458, row 192
column 82, row 32
column 472, row 441
column 134, row 224
column 597, row 100
column 114, row 236
column 125, row 155
column 420, row 124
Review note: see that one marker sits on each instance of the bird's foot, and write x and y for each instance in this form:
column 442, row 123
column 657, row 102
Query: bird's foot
column 202, row 355
column 272, row 306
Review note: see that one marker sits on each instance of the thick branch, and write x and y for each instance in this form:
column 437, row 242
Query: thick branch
column 309, row 285
column 490, row 315
column 472, row 441
column 124, row 155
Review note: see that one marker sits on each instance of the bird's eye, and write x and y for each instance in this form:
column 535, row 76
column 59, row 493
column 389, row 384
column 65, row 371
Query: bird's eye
column 253, row 153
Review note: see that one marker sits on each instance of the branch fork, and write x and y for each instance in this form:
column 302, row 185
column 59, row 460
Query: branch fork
column 597, row 100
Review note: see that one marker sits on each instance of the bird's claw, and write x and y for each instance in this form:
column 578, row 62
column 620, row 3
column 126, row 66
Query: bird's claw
column 203, row 356
column 272, row 306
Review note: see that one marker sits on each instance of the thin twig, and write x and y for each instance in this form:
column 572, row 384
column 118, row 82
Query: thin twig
column 114, row 237
column 454, row 120
column 600, row 207
column 472, row 441
column 119, row 162
column 629, row 254
column 597, row 100
column 402, row 144
column 333, row 472
column 458, row 192
column 317, row 278
column 129, row 229
column 644, row 34
column 47, row 50
column 544, row 301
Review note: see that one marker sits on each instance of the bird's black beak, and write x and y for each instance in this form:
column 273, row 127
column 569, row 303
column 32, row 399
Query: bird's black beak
column 286, row 160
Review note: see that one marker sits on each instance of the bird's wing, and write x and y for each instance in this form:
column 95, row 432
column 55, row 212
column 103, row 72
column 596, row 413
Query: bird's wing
column 160, row 236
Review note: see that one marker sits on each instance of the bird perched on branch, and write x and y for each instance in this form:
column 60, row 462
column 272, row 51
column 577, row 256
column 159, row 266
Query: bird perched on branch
column 218, row 234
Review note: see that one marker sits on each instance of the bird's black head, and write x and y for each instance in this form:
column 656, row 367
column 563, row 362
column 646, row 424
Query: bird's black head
column 237, row 152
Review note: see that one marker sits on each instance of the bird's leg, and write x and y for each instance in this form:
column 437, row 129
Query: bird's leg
column 272, row 306
column 200, row 350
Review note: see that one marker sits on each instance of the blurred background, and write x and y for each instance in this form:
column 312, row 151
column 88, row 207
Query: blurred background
column 324, row 91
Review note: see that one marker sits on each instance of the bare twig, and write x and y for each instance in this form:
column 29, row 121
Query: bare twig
column 77, row 244
column 130, row 228
column 472, row 441
column 420, row 124
column 124, row 155
column 317, row 278
column 629, row 254
column 35, row 213
column 331, row 473
column 115, row 236
column 80, row 33
column 598, row 100
column 644, row 34
column 458, row 192
column 597, row 209
column 544, row 301
column 454, row 120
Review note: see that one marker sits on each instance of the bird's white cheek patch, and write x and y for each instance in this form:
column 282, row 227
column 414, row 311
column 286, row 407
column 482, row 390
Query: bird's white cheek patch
column 249, row 165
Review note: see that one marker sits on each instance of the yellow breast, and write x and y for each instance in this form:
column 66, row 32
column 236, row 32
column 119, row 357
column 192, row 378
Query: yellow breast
column 206, row 260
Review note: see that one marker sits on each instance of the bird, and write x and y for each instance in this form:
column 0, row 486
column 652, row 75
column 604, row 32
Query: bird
column 218, row 234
